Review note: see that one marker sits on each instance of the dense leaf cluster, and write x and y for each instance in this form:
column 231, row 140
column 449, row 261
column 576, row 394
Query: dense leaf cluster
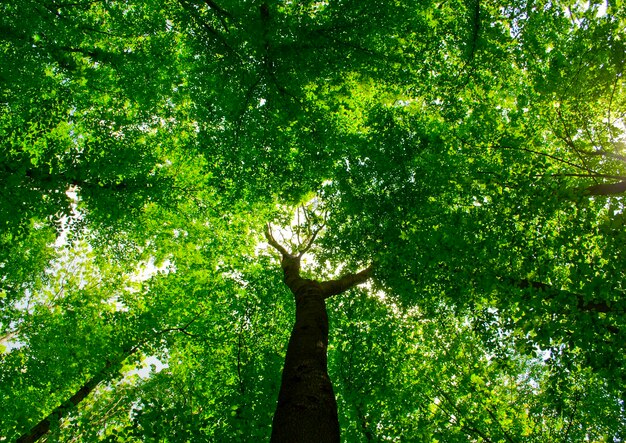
column 473, row 151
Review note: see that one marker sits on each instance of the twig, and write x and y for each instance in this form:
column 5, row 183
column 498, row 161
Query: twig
column 545, row 155
column 569, row 141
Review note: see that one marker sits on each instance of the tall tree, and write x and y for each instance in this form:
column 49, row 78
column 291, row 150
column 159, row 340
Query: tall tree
column 307, row 410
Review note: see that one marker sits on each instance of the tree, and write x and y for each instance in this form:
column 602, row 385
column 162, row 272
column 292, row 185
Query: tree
column 472, row 150
column 307, row 410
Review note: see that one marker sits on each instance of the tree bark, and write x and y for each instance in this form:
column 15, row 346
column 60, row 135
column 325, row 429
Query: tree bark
column 307, row 409
column 608, row 188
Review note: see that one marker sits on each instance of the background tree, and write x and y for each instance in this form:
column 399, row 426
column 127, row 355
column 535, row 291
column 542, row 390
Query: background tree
column 473, row 150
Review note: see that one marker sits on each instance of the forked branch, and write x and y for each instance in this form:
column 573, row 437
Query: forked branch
column 272, row 241
column 291, row 266
column 280, row 248
column 310, row 242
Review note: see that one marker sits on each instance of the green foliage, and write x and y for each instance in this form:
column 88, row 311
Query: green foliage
column 474, row 152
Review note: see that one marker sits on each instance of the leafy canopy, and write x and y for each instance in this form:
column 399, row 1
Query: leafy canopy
column 473, row 151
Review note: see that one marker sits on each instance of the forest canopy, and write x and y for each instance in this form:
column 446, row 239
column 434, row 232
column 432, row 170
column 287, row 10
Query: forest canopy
column 472, row 152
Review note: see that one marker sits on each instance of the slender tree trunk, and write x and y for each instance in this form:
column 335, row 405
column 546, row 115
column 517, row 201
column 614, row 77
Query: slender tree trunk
column 307, row 409
column 43, row 427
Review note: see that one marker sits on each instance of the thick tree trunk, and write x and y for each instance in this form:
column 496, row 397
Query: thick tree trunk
column 307, row 409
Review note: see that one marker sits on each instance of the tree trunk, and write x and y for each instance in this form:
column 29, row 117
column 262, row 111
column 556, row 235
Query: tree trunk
column 43, row 427
column 307, row 409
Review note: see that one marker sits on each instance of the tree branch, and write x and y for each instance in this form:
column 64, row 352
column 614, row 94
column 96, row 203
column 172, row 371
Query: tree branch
column 607, row 188
column 43, row 427
column 545, row 154
column 603, row 153
column 335, row 287
column 570, row 141
column 310, row 242
column 221, row 11
column 272, row 241
column 475, row 31
column 209, row 29
column 549, row 291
